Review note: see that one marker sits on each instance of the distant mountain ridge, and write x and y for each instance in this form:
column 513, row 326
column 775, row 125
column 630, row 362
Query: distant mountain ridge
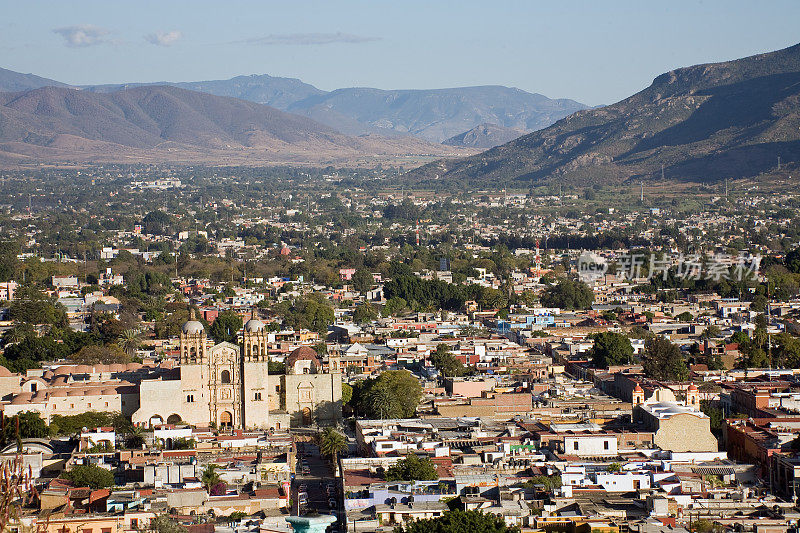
column 484, row 136
column 11, row 81
column 158, row 123
column 703, row 123
column 273, row 91
column 432, row 114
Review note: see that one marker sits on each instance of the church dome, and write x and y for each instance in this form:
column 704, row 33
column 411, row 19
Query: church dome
column 253, row 325
column 303, row 353
column 193, row 327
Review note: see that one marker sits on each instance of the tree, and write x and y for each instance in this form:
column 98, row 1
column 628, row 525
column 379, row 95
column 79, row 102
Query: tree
column 225, row 327
column 792, row 261
column 458, row 521
column 93, row 355
column 394, row 306
column 364, row 313
column 8, row 259
column 663, row 360
column 347, row 393
column 164, row 524
column 331, row 442
column 210, row 476
column 156, row 223
column 362, row 280
column 412, row 468
column 711, row 332
column 90, row 476
column 32, row 306
column 219, row 488
column 130, row 340
column 446, row 363
column 393, row 394
column 31, row 426
column 568, row 294
column 611, row 349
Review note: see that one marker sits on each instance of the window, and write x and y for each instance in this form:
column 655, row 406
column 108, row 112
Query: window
column 33, row 387
column 134, row 523
column 605, row 444
column 575, row 445
column 72, row 406
column 106, row 404
column 90, row 406
column 105, row 530
column 258, row 397
column 190, row 398
column 225, row 376
column 277, row 388
column 87, row 530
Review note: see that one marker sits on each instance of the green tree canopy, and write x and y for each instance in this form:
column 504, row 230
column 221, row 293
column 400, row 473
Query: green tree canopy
column 663, row 360
column 568, row 294
column 90, row 476
column 446, row 363
column 611, row 349
column 362, row 280
column 412, row 468
column 364, row 313
column 226, row 326
column 393, row 394
column 458, row 521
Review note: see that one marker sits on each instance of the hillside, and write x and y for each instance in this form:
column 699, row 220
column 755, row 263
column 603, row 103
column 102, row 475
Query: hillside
column 11, row 81
column 156, row 123
column 484, row 136
column 261, row 89
column 435, row 114
column 706, row 122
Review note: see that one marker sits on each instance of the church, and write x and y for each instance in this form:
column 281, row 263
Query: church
column 228, row 386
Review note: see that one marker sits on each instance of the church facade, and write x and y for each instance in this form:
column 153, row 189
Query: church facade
column 229, row 386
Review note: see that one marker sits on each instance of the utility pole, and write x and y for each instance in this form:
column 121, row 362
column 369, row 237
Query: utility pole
column 779, row 162
column 641, row 196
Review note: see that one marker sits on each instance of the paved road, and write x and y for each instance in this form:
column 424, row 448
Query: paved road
column 314, row 484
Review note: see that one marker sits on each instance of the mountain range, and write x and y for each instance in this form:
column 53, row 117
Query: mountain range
column 702, row 123
column 162, row 123
column 484, row 136
column 433, row 115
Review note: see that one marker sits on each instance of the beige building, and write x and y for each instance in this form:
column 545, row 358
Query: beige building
column 677, row 427
column 229, row 386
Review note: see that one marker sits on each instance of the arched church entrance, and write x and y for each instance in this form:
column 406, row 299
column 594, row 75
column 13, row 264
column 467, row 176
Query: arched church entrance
column 225, row 419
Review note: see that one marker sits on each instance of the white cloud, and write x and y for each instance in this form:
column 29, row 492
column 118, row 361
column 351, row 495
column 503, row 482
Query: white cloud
column 307, row 39
column 82, row 35
column 163, row 38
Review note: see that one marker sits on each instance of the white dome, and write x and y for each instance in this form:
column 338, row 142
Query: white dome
column 253, row 325
column 193, row 327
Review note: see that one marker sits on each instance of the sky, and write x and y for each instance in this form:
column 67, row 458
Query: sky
column 596, row 52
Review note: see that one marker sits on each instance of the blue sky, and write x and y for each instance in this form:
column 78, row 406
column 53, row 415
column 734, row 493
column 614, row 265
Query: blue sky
column 596, row 52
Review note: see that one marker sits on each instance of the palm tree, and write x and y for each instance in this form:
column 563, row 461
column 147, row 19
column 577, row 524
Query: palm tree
column 331, row 442
column 210, row 477
column 135, row 439
column 380, row 401
column 130, row 340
